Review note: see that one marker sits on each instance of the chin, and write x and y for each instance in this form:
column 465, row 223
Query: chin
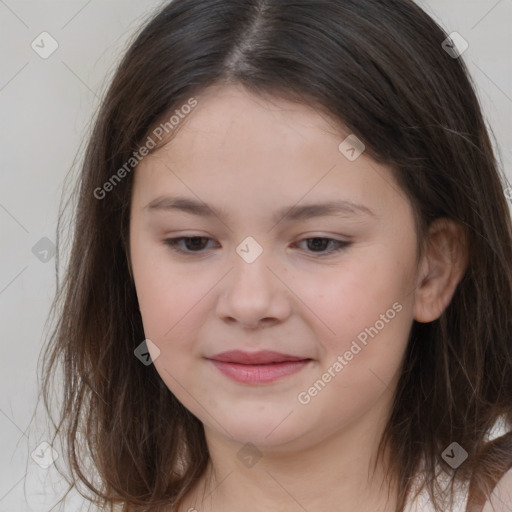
column 262, row 429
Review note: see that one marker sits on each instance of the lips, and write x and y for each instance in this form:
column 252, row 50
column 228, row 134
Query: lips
column 262, row 357
column 257, row 367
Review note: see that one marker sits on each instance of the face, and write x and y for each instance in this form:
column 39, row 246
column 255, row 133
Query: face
column 273, row 318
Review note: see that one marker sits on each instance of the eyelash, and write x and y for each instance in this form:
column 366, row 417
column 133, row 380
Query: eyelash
column 172, row 243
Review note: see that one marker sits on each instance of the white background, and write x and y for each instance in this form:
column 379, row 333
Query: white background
column 47, row 106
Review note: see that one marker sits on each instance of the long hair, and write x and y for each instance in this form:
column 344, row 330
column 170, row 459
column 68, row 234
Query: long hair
column 379, row 67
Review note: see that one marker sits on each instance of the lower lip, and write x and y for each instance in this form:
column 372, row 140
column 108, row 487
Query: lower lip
column 259, row 373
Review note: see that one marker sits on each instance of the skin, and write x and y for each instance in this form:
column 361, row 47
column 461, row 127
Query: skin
column 250, row 157
column 501, row 498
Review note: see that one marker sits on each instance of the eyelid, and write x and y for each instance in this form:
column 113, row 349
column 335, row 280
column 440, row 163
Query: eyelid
column 172, row 243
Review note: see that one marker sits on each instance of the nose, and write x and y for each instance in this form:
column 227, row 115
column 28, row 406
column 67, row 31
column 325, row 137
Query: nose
column 253, row 295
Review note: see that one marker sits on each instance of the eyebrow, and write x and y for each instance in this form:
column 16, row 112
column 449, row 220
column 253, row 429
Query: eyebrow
column 194, row 207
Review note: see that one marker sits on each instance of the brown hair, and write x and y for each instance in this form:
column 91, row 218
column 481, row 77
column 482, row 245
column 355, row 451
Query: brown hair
column 380, row 69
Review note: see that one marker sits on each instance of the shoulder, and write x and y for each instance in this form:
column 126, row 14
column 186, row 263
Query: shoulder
column 501, row 498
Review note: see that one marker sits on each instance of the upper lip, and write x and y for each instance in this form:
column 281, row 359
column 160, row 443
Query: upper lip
column 261, row 357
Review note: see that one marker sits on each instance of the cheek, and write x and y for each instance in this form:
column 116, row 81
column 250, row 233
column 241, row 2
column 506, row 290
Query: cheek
column 168, row 294
column 170, row 306
column 172, row 312
column 367, row 312
column 369, row 309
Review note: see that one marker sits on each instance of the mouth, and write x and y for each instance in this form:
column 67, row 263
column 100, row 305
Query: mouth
column 257, row 367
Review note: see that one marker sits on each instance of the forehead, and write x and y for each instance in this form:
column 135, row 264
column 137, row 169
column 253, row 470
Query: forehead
column 241, row 149
column 231, row 112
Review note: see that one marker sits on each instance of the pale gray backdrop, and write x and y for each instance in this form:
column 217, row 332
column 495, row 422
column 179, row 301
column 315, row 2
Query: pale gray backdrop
column 46, row 101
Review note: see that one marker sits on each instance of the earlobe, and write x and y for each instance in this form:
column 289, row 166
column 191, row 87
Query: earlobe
column 442, row 267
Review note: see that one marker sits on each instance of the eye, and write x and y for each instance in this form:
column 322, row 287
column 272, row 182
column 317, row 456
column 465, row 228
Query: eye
column 193, row 244
column 319, row 244
column 196, row 244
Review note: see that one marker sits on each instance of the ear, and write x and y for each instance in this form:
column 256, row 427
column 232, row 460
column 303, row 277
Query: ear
column 442, row 266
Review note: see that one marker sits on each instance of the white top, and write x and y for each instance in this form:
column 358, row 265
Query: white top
column 501, row 498
column 423, row 503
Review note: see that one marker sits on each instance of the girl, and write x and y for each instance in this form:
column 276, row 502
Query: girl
column 290, row 286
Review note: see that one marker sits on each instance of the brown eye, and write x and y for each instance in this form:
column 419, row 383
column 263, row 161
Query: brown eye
column 197, row 244
column 320, row 244
column 193, row 244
